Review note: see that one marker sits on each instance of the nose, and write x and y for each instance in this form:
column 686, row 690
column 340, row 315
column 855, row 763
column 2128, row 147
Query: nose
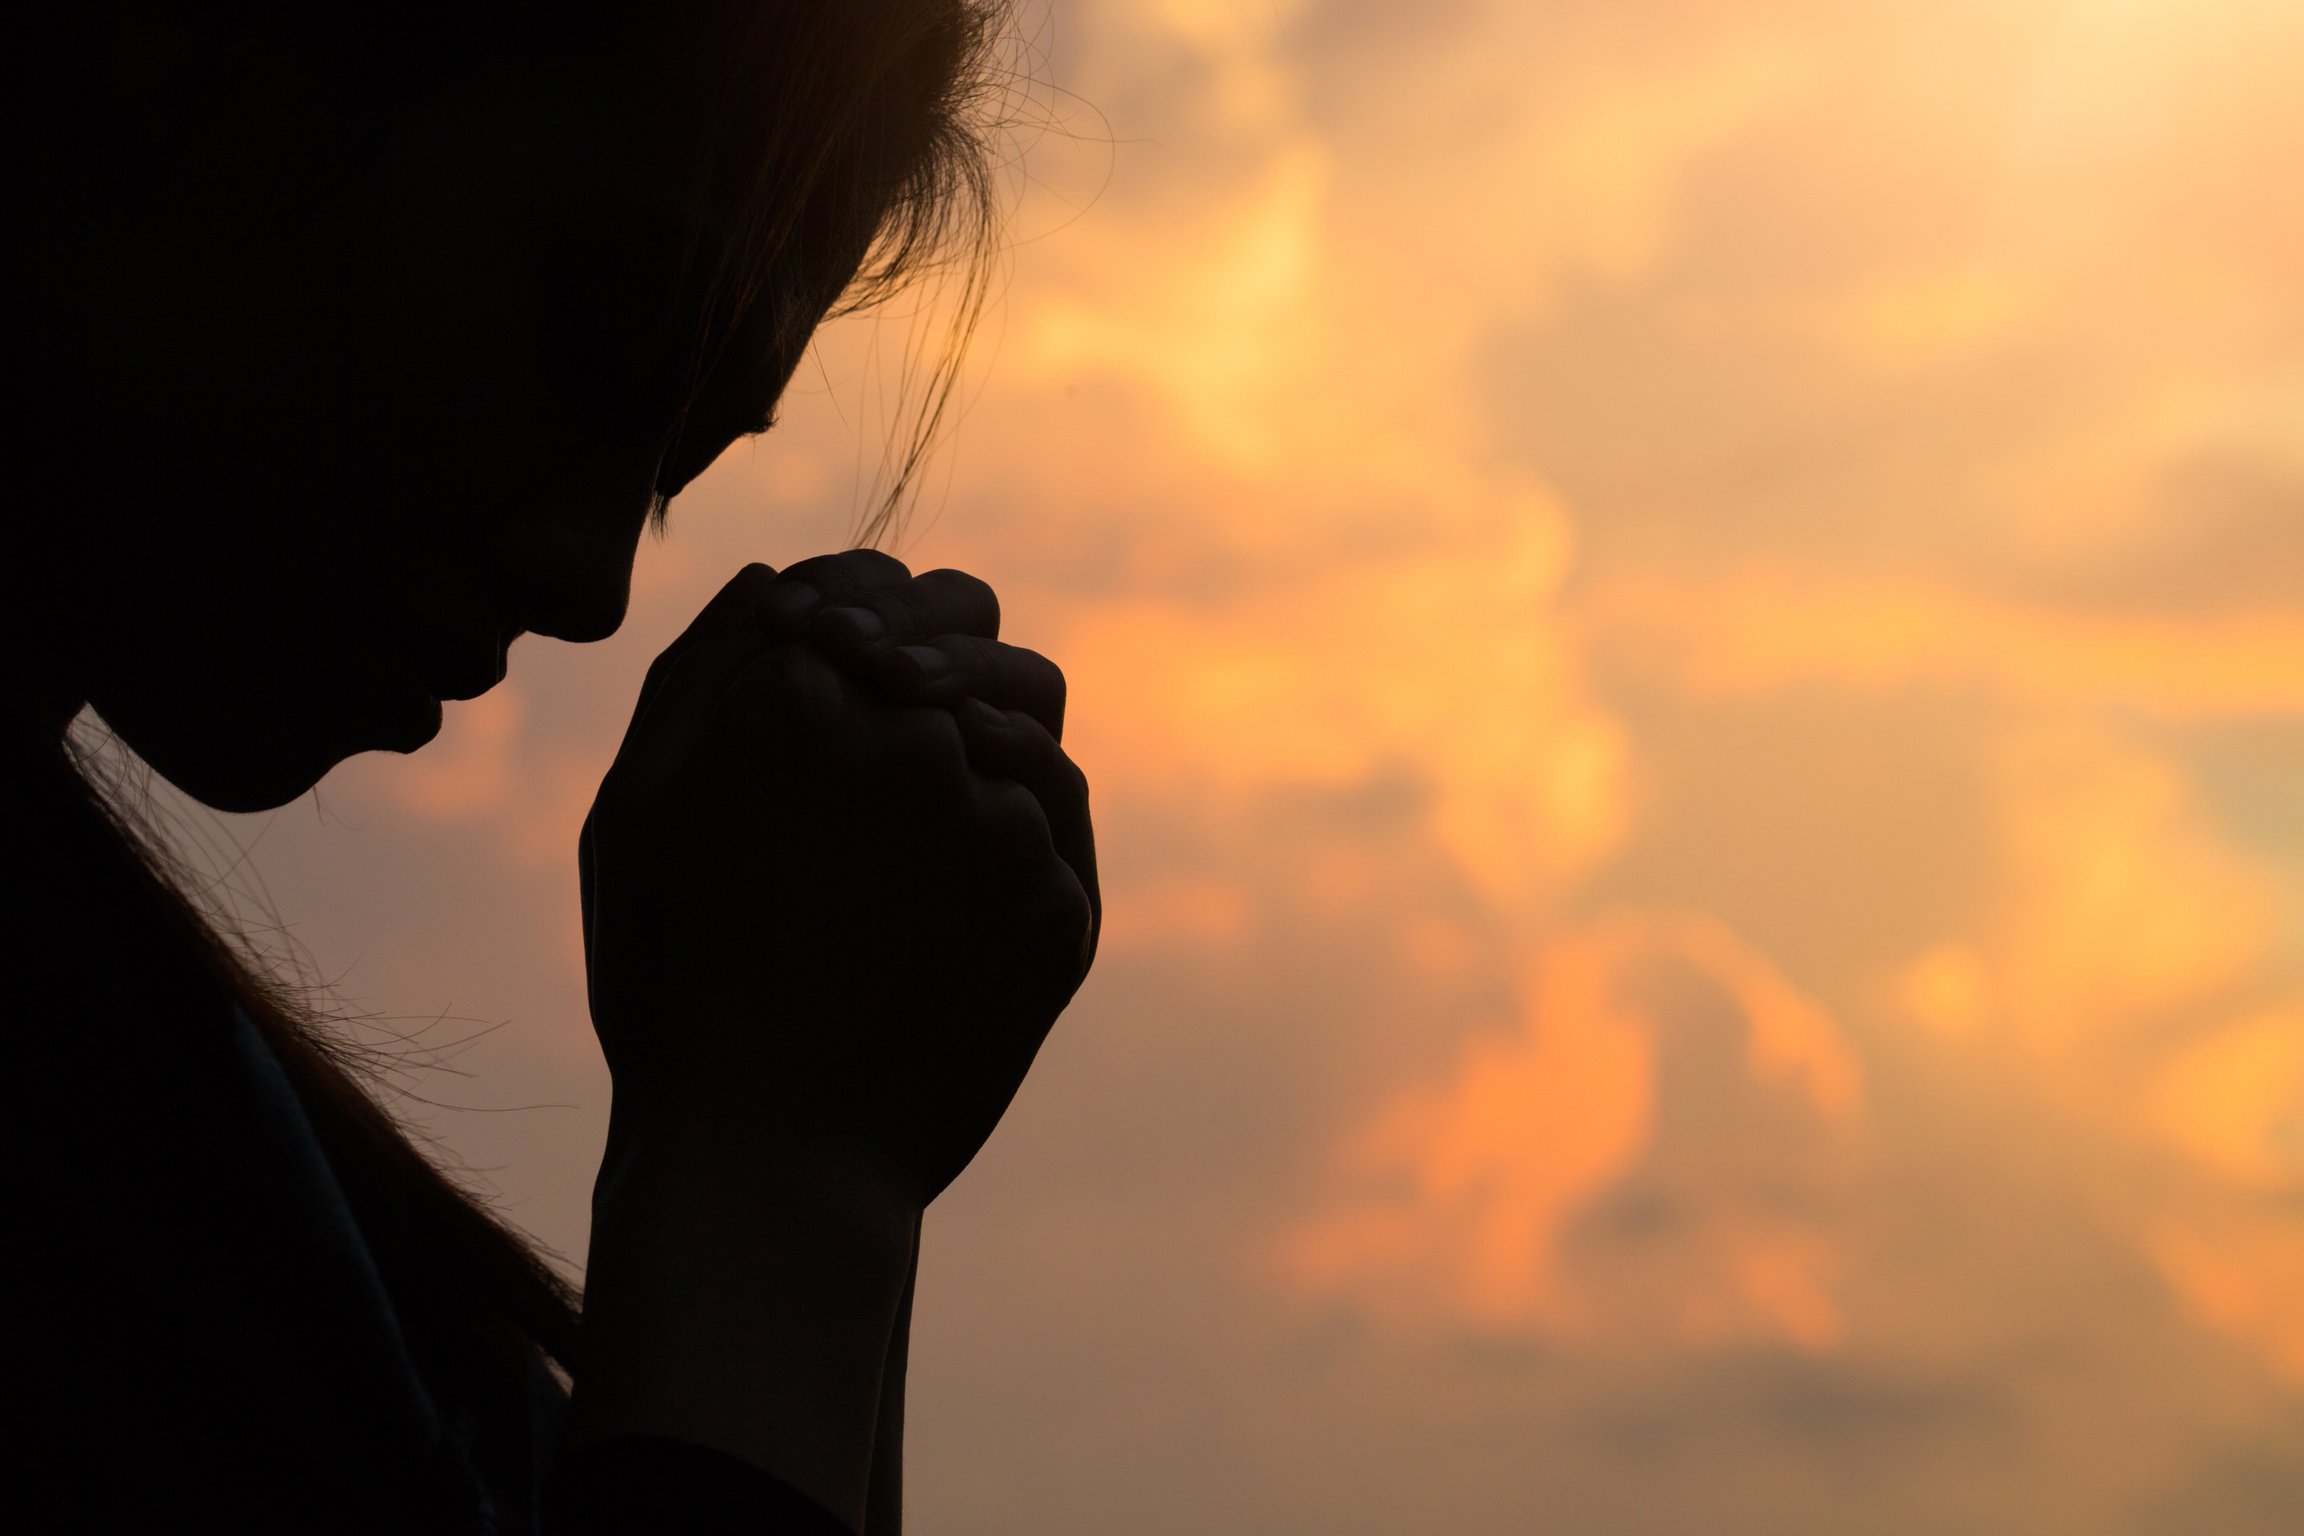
column 567, row 568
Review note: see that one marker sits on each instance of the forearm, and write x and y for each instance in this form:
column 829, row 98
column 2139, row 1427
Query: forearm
column 758, row 1320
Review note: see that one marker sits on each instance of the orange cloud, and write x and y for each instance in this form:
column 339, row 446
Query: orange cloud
column 2118, row 906
column 1489, row 1166
column 1770, row 629
column 1457, row 1196
column 2242, row 1276
column 1446, row 665
column 2233, row 1102
column 2124, row 901
column 2124, row 922
column 1793, row 1040
column 1911, row 320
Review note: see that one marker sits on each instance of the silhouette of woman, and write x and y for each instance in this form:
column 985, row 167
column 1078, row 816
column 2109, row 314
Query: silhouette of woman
column 367, row 338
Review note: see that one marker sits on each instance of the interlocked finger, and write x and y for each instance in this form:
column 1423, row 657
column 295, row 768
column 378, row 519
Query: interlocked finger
column 950, row 668
column 933, row 603
column 1010, row 744
column 862, row 579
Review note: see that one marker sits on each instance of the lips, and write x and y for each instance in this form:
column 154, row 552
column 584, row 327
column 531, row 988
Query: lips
column 462, row 667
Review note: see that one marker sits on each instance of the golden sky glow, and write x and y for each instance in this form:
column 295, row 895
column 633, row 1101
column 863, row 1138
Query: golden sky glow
column 1688, row 617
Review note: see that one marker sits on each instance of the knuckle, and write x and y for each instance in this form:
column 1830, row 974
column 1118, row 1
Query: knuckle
column 964, row 590
column 871, row 567
column 752, row 577
column 840, row 577
column 973, row 652
column 1010, row 815
column 1019, row 674
column 954, row 576
column 906, row 611
column 748, row 586
column 1034, row 672
column 1062, row 920
column 1071, row 779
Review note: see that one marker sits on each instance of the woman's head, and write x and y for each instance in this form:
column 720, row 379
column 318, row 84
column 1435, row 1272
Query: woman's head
column 375, row 337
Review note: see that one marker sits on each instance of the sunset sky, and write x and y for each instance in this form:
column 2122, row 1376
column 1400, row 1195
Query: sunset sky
column 1687, row 617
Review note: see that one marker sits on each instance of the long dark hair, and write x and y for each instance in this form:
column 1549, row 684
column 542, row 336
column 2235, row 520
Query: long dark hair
column 821, row 110
column 899, row 140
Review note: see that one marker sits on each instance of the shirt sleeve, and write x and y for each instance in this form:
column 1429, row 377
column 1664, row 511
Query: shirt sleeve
column 646, row 1485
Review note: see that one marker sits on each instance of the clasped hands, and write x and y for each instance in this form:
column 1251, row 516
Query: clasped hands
column 840, row 880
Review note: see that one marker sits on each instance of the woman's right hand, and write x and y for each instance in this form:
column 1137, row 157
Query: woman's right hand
column 821, row 927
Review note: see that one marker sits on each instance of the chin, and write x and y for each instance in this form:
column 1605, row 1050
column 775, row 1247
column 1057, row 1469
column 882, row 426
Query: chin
column 241, row 781
column 262, row 764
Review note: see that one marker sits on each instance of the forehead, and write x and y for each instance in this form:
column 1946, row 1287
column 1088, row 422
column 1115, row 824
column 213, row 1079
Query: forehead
column 606, row 183
column 642, row 133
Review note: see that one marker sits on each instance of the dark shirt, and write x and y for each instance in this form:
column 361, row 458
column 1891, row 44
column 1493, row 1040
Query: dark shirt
column 197, row 1337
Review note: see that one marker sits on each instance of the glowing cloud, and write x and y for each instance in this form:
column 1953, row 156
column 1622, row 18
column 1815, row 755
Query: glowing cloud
column 1457, row 1198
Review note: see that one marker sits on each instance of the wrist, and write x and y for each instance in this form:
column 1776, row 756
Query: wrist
column 740, row 1302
